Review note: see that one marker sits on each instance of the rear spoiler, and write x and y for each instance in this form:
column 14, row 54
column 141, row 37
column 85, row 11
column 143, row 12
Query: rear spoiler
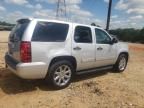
column 24, row 20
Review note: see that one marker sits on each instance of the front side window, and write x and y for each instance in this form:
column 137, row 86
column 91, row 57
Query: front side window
column 50, row 32
column 102, row 37
column 83, row 34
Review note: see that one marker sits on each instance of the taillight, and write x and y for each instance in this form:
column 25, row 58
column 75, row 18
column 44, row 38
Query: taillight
column 25, row 51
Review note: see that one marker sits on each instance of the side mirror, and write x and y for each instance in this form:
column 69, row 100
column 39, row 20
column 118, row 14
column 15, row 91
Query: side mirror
column 114, row 40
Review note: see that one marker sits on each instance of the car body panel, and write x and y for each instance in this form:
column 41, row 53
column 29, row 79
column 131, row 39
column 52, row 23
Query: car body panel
column 32, row 70
column 108, row 54
column 86, row 55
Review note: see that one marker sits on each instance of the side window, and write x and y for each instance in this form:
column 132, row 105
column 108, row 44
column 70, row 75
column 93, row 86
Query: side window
column 102, row 37
column 83, row 34
column 50, row 32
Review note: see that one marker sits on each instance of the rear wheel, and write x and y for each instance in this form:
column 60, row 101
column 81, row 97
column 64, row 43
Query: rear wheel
column 60, row 74
column 121, row 63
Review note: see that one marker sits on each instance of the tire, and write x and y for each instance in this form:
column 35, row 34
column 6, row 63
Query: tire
column 60, row 74
column 121, row 63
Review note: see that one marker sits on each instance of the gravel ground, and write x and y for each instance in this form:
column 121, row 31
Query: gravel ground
column 98, row 90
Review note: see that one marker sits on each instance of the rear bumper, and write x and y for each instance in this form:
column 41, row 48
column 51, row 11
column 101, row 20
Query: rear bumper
column 33, row 70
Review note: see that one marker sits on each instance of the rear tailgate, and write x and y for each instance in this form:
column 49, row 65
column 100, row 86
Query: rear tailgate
column 16, row 37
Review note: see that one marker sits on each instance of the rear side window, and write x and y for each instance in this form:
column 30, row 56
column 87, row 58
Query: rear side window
column 83, row 34
column 18, row 30
column 50, row 32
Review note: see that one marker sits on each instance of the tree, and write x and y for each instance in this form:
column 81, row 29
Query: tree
column 129, row 34
column 141, row 35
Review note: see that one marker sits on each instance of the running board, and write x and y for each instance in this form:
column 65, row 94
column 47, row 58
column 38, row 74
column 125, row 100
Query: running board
column 94, row 70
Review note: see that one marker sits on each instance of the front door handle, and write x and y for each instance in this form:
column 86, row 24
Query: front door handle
column 77, row 48
column 99, row 48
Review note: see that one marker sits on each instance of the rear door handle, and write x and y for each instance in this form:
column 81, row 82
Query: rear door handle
column 99, row 48
column 77, row 48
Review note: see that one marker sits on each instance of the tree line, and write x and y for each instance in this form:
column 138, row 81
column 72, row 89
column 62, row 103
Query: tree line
column 129, row 34
column 6, row 26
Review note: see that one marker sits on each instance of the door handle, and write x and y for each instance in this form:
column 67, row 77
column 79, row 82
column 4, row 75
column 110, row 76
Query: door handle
column 99, row 48
column 77, row 48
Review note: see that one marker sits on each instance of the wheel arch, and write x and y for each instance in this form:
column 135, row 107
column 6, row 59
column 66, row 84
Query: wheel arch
column 126, row 53
column 115, row 67
column 68, row 58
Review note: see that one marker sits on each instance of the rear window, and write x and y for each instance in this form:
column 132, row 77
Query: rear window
column 50, row 32
column 18, row 30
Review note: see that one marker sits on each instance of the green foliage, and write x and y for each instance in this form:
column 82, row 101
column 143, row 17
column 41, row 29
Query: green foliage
column 141, row 38
column 129, row 34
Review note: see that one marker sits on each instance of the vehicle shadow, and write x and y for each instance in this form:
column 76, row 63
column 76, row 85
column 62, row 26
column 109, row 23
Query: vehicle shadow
column 11, row 84
column 90, row 75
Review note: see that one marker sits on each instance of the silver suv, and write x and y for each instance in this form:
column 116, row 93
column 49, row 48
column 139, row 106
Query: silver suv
column 56, row 50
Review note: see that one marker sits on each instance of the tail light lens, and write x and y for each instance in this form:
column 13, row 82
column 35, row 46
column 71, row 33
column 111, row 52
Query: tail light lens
column 25, row 51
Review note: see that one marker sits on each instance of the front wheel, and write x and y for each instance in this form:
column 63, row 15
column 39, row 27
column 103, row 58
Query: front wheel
column 121, row 63
column 60, row 74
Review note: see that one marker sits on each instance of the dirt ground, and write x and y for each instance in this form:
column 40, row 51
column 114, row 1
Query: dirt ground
column 97, row 90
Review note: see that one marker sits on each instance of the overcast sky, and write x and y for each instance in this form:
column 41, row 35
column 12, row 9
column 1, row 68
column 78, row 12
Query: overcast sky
column 125, row 13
